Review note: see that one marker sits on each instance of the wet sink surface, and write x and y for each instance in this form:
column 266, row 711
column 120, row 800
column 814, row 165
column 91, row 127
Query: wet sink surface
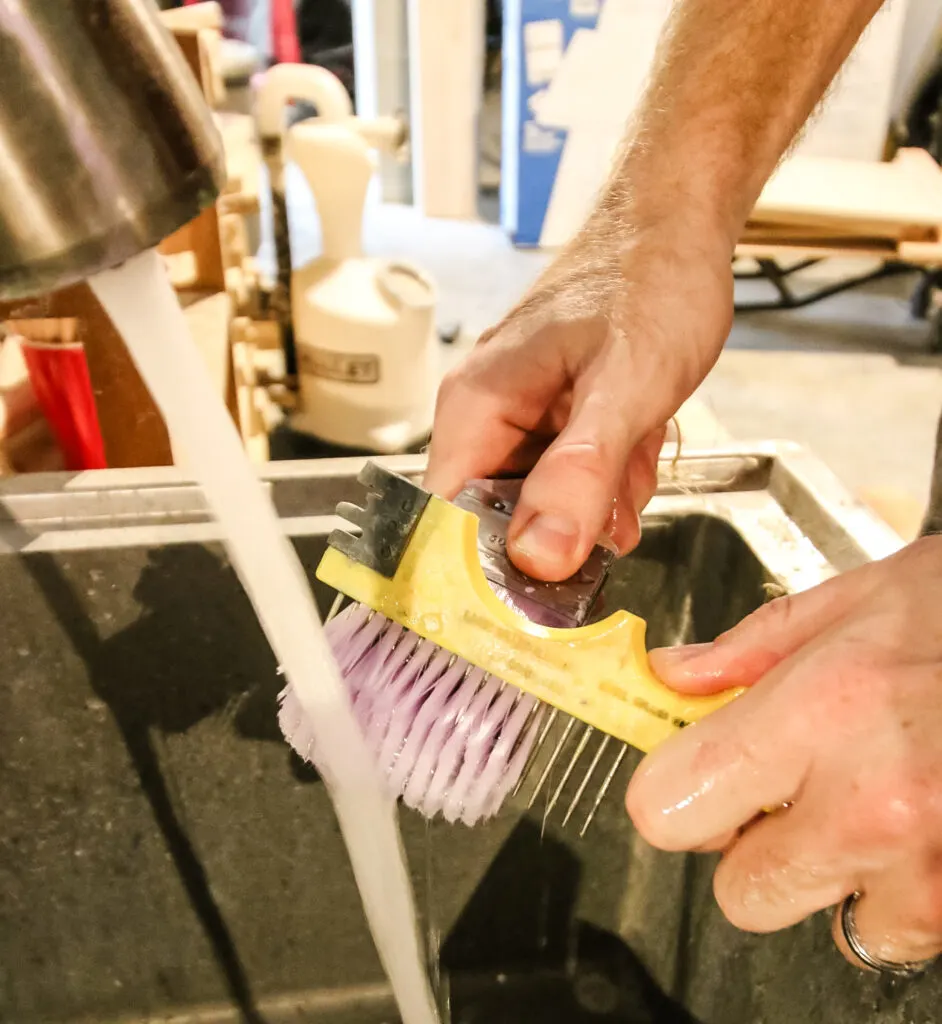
column 162, row 852
column 690, row 578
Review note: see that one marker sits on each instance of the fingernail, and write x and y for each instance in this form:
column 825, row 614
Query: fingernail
column 670, row 657
column 607, row 541
column 548, row 538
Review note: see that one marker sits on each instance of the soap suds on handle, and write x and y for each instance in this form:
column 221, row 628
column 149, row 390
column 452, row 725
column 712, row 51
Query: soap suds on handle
column 142, row 305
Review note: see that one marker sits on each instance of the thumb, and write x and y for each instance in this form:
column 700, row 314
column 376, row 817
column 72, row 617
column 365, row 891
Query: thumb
column 567, row 498
column 744, row 654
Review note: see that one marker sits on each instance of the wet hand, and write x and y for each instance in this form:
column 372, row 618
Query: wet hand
column 574, row 387
column 842, row 729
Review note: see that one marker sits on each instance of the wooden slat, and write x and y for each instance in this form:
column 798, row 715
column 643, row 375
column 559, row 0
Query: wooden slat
column 853, row 232
column 446, row 85
column 243, row 158
column 201, row 235
column 905, row 193
column 918, row 253
column 193, row 18
column 771, row 250
column 201, row 238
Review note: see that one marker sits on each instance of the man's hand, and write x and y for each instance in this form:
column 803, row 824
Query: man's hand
column 581, row 377
column 576, row 384
column 843, row 725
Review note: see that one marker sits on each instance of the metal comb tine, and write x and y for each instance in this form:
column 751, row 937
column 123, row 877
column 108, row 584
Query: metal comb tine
column 552, row 761
column 537, row 747
column 334, row 608
column 586, row 779
column 351, row 513
column 600, row 796
column 570, row 768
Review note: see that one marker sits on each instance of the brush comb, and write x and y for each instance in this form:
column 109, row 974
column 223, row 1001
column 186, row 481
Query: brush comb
column 467, row 677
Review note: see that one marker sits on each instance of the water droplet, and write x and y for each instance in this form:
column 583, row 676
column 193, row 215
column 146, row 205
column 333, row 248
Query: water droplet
column 430, row 624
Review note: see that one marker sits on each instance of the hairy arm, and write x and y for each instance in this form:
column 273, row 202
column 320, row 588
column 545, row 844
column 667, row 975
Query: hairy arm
column 575, row 384
column 732, row 83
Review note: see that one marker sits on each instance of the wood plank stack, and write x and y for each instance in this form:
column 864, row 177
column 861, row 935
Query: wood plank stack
column 820, row 207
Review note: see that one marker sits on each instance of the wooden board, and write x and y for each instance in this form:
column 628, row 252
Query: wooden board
column 899, row 510
column 201, row 235
column 31, row 450
column 851, row 231
column 906, row 192
column 381, row 58
column 243, row 158
column 201, row 238
column 819, row 246
column 193, row 18
column 446, row 87
column 920, row 254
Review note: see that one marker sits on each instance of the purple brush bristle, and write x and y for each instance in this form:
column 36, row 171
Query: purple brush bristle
column 448, row 739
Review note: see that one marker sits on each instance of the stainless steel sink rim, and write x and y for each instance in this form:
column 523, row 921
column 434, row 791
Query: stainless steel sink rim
column 776, row 494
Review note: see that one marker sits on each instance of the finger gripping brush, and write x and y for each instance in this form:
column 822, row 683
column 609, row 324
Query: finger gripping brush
column 458, row 665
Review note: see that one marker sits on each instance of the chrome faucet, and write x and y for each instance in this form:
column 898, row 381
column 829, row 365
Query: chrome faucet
column 106, row 142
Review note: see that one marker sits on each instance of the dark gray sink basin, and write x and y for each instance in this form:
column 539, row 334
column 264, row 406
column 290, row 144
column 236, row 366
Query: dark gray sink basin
column 163, row 857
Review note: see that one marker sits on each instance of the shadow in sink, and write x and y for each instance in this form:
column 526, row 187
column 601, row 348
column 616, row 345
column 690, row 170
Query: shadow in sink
column 690, row 578
column 519, row 953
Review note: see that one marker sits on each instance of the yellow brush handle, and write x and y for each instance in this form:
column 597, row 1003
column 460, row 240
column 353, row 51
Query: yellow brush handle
column 598, row 673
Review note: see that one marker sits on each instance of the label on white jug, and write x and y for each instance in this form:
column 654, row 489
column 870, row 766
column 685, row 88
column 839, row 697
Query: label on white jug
column 348, row 367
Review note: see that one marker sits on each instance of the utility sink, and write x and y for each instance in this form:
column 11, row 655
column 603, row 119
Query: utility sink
column 165, row 858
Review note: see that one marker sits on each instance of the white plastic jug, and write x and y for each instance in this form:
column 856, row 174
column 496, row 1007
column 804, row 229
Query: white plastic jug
column 364, row 326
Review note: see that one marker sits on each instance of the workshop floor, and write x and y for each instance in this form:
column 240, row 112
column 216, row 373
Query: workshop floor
column 848, row 377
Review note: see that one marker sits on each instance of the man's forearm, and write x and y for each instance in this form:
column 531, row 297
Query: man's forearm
column 732, row 82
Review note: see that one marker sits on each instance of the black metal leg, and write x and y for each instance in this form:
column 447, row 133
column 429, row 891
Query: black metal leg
column 778, row 278
column 935, row 332
column 761, row 274
column 920, row 305
column 921, row 301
